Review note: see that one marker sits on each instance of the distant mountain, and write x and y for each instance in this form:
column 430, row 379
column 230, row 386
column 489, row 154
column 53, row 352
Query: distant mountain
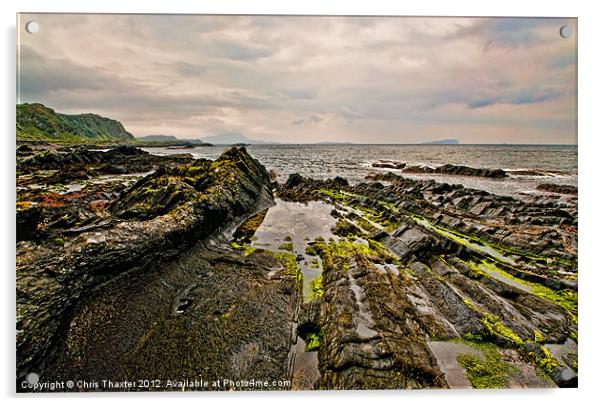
column 334, row 143
column 197, row 142
column 158, row 138
column 36, row 122
column 169, row 140
column 451, row 141
column 233, row 138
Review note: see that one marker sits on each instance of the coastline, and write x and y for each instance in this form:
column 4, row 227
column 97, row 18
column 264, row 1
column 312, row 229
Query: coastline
column 410, row 272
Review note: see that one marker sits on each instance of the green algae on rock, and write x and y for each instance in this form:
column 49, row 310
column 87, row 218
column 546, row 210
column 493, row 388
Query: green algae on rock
column 487, row 370
column 476, row 274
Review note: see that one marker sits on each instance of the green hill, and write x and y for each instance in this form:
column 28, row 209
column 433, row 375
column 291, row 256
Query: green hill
column 36, row 122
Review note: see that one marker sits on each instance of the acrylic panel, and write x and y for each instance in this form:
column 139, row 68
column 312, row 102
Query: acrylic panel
column 223, row 202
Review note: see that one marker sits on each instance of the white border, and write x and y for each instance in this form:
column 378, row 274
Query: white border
column 590, row 133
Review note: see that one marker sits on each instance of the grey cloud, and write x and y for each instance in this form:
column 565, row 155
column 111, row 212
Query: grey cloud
column 513, row 32
column 482, row 103
column 240, row 52
column 78, row 85
column 539, row 97
column 312, row 119
column 524, row 97
column 187, row 69
column 41, row 75
column 562, row 61
column 265, row 73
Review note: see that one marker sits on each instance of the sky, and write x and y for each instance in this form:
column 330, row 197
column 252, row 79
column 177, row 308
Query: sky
column 309, row 79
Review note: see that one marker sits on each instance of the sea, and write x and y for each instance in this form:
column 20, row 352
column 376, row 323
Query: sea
column 556, row 163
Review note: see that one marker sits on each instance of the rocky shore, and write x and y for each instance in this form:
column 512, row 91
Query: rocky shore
column 428, row 272
column 562, row 189
column 448, row 169
column 131, row 265
column 75, row 245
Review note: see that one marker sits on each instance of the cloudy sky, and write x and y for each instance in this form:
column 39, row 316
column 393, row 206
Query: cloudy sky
column 309, row 79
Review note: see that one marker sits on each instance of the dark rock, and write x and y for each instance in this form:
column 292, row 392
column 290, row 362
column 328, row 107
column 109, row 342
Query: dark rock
column 340, row 181
column 368, row 338
column 127, row 150
column 169, row 210
column 384, row 176
column 457, row 170
column 309, row 318
column 152, row 320
column 28, row 219
column 131, row 158
column 444, row 237
column 374, row 186
column 561, row 189
column 388, row 164
column 293, row 180
column 24, row 150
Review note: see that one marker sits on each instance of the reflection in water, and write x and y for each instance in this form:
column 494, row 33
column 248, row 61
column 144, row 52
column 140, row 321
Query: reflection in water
column 296, row 223
column 290, row 226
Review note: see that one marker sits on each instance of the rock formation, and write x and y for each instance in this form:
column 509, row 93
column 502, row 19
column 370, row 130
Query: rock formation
column 139, row 227
column 131, row 265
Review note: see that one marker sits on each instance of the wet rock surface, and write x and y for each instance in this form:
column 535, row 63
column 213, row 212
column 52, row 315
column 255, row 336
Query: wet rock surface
column 211, row 314
column 456, row 170
column 418, row 263
column 562, row 189
column 121, row 159
column 389, row 164
column 369, row 338
column 72, row 244
column 174, row 268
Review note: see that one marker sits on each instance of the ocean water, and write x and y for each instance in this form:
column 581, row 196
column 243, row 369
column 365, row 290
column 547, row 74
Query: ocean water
column 354, row 162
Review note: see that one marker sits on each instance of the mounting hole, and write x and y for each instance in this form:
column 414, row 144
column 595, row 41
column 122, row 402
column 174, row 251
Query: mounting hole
column 32, row 378
column 32, row 27
column 566, row 31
